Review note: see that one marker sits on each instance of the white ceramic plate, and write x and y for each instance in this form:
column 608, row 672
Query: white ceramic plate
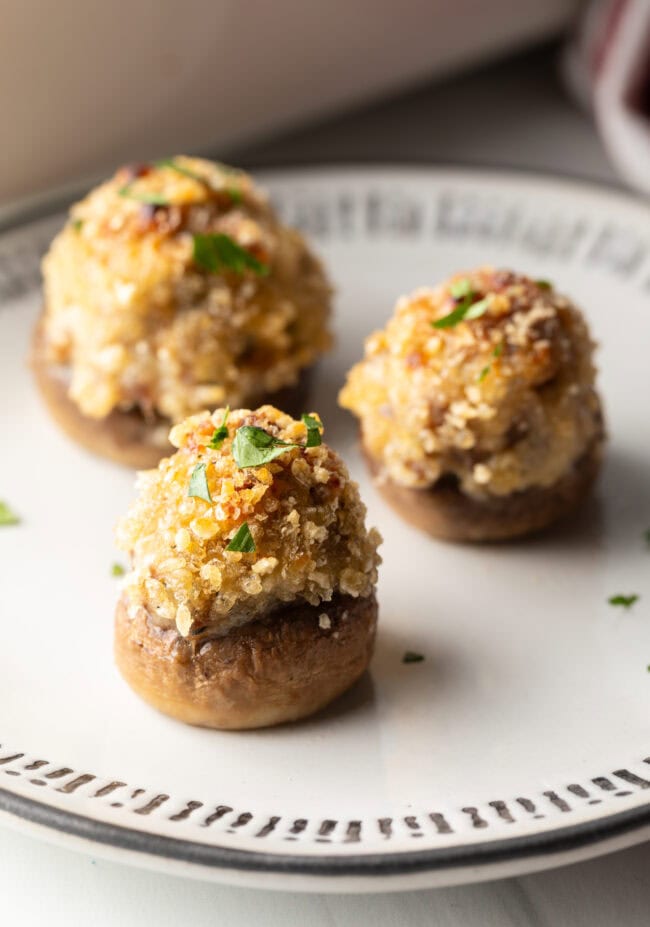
column 522, row 741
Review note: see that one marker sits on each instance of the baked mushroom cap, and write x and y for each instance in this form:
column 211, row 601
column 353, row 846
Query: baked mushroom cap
column 173, row 287
column 265, row 672
column 485, row 383
column 252, row 525
column 445, row 512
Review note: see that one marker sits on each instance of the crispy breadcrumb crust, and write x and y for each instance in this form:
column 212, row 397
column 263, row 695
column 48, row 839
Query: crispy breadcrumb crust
column 502, row 403
column 305, row 515
column 135, row 322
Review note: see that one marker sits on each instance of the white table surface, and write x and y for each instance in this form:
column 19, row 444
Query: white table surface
column 531, row 124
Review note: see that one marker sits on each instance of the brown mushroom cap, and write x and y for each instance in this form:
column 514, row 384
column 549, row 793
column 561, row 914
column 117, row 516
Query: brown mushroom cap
column 445, row 512
column 281, row 668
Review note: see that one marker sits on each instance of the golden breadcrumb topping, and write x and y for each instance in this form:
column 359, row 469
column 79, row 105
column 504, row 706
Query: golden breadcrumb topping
column 302, row 509
column 502, row 402
column 135, row 322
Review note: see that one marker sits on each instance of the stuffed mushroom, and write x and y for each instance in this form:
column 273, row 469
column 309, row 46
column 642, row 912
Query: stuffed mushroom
column 251, row 598
column 172, row 288
column 477, row 405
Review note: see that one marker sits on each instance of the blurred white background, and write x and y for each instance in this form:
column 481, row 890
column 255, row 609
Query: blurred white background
column 87, row 86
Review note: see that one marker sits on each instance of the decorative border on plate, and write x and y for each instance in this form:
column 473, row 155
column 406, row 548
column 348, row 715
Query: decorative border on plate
column 545, row 843
column 452, row 213
column 226, row 819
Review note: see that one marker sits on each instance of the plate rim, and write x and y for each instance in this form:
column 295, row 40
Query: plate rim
column 484, row 854
column 545, row 843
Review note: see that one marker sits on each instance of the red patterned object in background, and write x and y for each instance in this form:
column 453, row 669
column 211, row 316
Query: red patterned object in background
column 608, row 67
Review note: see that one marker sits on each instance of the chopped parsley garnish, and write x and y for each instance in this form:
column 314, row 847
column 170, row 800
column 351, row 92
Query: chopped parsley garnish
column 199, row 483
column 153, row 199
column 468, row 306
column 242, row 540
column 77, row 224
column 646, row 535
column 411, row 657
column 626, row 601
column 254, row 447
column 117, row 570
column 313, row 430
column 476, row 310
column 7, row 517
column 235, row 195
column 544, row 284
column 459, row 289
column 498, row 351
column 453, row 318
column 221, row 433
column 220, row 252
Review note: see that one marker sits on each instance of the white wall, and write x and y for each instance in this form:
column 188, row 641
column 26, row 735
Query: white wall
column 88, row 84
